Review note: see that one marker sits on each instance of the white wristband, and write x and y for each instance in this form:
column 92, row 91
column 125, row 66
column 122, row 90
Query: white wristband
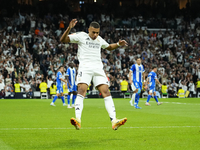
column 118, row 43
column 144, row 80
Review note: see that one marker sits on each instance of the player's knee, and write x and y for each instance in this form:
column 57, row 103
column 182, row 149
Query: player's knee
column 136, row 91
column 82, row 91
column 105, row 93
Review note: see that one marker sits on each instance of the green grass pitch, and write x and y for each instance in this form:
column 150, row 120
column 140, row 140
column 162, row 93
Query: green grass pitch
column 32, row 124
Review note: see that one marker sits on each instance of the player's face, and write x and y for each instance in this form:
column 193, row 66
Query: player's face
column 138, row 61
column 62, row 69
column 155, row 69
column 93, row 32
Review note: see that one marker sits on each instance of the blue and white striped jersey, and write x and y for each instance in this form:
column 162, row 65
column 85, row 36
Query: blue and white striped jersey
column 137, row 72
column 71, row 73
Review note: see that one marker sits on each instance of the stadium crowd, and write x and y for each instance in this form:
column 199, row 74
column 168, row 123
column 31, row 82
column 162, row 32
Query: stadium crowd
column 31, row 52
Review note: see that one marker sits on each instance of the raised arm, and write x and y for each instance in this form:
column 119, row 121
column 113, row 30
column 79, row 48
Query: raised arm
column 116, row 45
column 65, row 37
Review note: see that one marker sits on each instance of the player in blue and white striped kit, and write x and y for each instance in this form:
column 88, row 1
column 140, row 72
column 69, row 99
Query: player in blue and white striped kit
column 71, row 78
column 136, row 75
column 151, row 80
column 59, row 86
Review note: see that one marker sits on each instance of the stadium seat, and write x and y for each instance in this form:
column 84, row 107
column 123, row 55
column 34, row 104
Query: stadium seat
column 181, row 95
column 198, row 95
column 65, row 95
column 127, row 95
column 36, row 94
column 164, row 95
column 52, row 96
column 9, row 94
column 145, row 94
column 44, row 96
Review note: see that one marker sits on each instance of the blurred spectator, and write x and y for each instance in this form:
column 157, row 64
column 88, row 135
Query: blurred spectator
column 43, row 87
column 197, row 86
column 191, row 88
column 2, row 94
column 124, row 85
column 2, row 85
column 27, row 87
column 17, row 87
column 36, row 54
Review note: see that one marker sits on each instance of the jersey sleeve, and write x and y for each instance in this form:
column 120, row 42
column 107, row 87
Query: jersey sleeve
column 143, row 68
column 155, row 76
column 67, row 73
column 132, row 68
column 59, row 75
column 104, row 44
column 74, row 38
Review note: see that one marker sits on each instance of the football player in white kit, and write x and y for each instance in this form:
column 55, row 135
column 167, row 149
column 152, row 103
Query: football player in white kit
column 91, row 69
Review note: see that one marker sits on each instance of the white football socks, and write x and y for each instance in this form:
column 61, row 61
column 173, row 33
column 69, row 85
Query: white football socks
column 110, row 107
column 133, row 98
column 79, row 106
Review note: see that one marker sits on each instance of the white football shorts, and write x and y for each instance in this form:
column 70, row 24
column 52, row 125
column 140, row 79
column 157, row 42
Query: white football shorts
column 86, row 75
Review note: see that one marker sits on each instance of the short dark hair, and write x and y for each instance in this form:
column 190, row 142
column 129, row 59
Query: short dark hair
column 154, row 67
column 94, row 24
column 138, row 58
column 60, row 67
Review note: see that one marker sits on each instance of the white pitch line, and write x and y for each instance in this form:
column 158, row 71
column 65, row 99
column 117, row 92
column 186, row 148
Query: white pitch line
column 153, row 127
column 177, row 103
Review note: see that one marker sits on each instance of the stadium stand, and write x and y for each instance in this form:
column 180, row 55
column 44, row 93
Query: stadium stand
column 30, row 49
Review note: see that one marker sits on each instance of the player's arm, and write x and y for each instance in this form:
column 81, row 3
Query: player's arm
column 130, row 77
column 116, row 45
column 63, row 80
column 143, row 74
column 147, row 81
column 68, row 81
column 65, row 38
column 158, row 82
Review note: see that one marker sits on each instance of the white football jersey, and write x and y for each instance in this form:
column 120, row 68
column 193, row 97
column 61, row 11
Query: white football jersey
column 89, row 50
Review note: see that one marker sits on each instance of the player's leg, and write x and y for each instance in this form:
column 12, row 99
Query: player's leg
column 62, row 97
column 55, row 97
column 133, row 95
column 74, row 98
column 83, row 79
column 82, row 89
column 110, row 107
column 138, row 97
column 68, row 95
column 101, row 82
column 149, row 97
column 155, row 97
column 68, row 98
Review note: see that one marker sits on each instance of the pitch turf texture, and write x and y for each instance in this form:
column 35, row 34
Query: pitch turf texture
column 35, row 125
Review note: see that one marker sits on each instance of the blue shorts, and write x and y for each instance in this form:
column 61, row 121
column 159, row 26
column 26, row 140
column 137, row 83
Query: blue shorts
column 138, row 85
column 72, row 88
column 59, row 90
column 152, row 89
